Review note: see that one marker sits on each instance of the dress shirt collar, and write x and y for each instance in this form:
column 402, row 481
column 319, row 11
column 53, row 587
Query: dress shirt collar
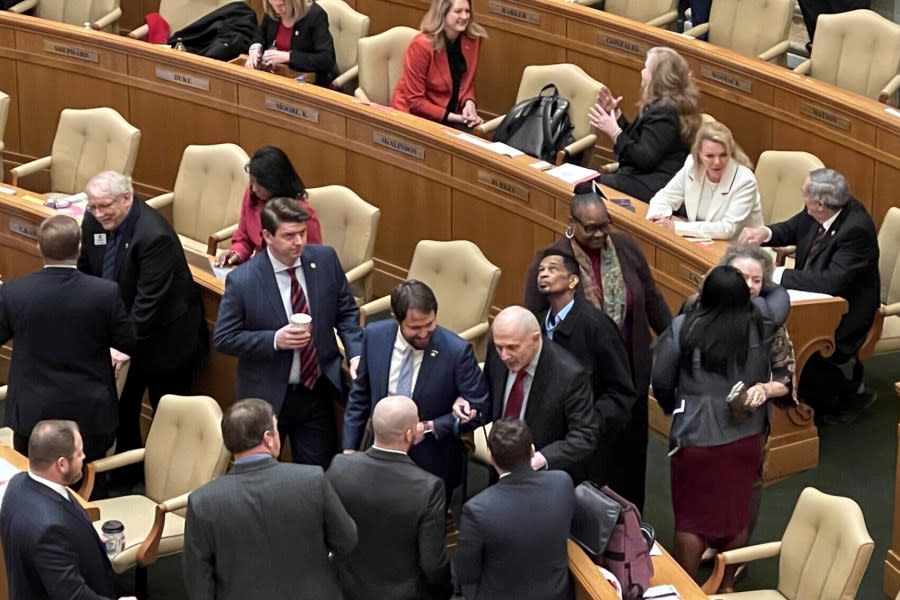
column 279, row 266
column 551, row 324
column 403, row 346
column 252, row 458
column 380, row 449
column 56, row 487
column 60, row 266
column 827, row 224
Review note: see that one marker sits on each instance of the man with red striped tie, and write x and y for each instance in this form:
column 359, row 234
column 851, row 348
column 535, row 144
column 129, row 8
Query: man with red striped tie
column 277, row 316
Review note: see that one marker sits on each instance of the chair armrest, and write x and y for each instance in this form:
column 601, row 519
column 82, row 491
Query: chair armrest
column 663, row 19
column 158, row 202
column 23, row 6
column 360, row 95
column 781, row 254
column 107, row 19
column 697, row 30
column 803, row 68
column 212, row 243
column 29, row 168
column 116, row 461
column 3, row 390
column 888, row 310
column 345, row 77
column 776, row 50
column 360, row 271
column 474, row 332
column 609, row 168
column 741, row 555
column 579, row 145
column 488, row 126
column 889, row 89
column 375, row 306
column 148, row 552
column 140, row 33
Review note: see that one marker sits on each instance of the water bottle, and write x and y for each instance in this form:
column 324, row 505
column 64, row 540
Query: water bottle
column 87, row 25
column 179, row 46
column 113, row 537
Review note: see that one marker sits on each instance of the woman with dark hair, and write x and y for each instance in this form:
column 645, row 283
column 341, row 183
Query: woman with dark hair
column 615, row 277
column 711, row 372
column 271, row 175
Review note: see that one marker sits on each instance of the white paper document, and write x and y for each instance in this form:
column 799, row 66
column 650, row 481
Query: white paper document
column 797, row 296
column 572, row 173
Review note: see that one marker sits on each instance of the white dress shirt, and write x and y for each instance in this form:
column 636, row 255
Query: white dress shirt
column 59, row 489
column 283, row 279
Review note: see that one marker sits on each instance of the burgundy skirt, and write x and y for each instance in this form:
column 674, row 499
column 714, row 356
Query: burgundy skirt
column 711, row 486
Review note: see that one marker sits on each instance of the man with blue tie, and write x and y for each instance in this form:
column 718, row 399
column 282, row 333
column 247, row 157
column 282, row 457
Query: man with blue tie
column 291, row 361
column 413, row 356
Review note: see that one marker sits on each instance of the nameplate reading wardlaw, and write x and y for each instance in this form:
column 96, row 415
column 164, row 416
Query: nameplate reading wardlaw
column 824, row 115
column 71, row 51
column 504, row 10
column 399, row 145
column 621, row 44
column 292, row 110
column 738, row 83
column 28, row 231
column 182, row 79
column 503, row 185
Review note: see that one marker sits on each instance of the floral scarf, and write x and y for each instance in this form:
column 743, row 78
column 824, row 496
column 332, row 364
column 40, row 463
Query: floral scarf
column 611, row 298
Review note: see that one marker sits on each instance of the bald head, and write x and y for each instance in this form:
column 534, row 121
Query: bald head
column 517, row 337
column 517, row 319
column 394, row 422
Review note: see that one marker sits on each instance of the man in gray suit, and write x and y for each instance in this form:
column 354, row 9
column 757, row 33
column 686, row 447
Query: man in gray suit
column 399, row 510
column 263, row 530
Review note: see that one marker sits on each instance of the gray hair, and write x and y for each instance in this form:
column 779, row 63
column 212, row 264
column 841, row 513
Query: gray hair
column 828, row 187
column 752, row 252
column 108, row 183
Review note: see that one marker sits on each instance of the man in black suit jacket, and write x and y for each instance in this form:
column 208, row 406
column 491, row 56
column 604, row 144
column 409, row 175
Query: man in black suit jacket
column 513, row 536
column 63, row 323
column 50, row 547
column 264, row 529
column 542, row 384
column 837, row 254
column 399, row 510
column 128, row 242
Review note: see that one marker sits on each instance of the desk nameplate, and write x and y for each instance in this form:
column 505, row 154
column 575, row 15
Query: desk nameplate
column 502, row 184
column 825, row 116
column 292, row 110
column 400, row 145
column 514, row 12
column 24, row 229
column 70, row 51
column 621, row 44
column 180, row 78
column 725, row 78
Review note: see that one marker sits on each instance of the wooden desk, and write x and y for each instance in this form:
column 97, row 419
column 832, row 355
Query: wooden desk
column 281, row 70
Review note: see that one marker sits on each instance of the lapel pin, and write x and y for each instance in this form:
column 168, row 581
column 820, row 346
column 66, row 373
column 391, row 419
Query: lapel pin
column 434, row 353
column 312, row 265
column 126, row 245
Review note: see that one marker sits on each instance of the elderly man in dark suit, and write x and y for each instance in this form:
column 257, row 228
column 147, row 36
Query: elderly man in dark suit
column 294, row 366
column 542, row 384
column 413, row 356
column 399, row 511
column 837, row 254
column 513, row 536
column 64, row 324
column 50, row 547
column 128, row 242
column 264, row 529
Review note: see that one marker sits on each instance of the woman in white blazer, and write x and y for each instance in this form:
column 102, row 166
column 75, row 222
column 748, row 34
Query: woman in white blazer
column 716, row 186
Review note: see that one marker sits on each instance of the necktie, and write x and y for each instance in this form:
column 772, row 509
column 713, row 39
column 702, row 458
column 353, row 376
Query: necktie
column 109, row 257
column 516, row 396
column 817, row 241
column 309, row 358
column 404, row 380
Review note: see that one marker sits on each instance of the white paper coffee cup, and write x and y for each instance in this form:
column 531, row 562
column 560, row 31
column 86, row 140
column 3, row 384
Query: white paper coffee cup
column 301, row 320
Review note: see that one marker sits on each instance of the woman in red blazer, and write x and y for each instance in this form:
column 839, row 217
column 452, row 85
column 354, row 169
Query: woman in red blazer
column 438, row 81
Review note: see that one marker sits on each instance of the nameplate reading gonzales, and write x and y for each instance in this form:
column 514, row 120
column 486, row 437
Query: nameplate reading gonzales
column 621, row 44
column 71, row 51
column 512, row 12
column 292, row 110
column 503, row 185
column 824, row 115
column 398, row 145
column 738, row 83
column 182, row 79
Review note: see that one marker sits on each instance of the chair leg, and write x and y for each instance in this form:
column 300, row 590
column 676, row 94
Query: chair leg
column 140, row 582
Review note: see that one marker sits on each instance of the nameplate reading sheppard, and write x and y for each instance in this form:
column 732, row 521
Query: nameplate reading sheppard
column 292, row 110
column 182, row 79
column 399, row 145
column 71, row 51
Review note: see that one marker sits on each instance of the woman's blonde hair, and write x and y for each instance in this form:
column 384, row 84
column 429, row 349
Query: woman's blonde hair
column 671, row 85
column 715, row 131
column 433, row 23
column 294, row 11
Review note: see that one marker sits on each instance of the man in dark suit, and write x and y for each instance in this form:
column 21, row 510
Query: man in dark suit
column 837, row 254
column 64, row 324
column 513, row 536
column 294, row 366
column 593, row 338
column 399, row 511
column 128, row 242
column 542, row 384
column 50, row 547
column 412, row 356
column 264, row 529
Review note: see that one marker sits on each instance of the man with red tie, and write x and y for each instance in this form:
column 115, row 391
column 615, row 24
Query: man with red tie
column 292, row 362
column 537, row 381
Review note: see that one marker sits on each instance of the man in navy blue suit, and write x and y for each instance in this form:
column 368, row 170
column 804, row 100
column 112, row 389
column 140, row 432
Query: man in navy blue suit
column 413, row 356
column 295, row 367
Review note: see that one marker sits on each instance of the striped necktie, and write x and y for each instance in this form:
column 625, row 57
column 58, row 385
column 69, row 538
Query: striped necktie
column 309, row 358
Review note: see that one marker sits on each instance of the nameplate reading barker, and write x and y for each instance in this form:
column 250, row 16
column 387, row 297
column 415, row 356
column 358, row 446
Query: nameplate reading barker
column 398, row 145
column 826, row 116
column 621, row 44
column 182, row 79
column 512, row 12
column 71, row 51
column 726, row 78
column 292, row 110
column 503, row 185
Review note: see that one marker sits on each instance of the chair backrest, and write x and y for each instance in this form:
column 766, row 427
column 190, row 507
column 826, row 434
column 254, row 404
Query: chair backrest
column 181, row 13
column 75, row 12
column 381, row 62
column 825, row 548
column 779, row 177
column 347, row 27
column 750, row 28
column 857, row 50
column 889, row 258
column 4, row 113
column 208, row 189
column 463, row 281
column 90, row 141
column 184, row 448
column 643, row 11
column 573, row 84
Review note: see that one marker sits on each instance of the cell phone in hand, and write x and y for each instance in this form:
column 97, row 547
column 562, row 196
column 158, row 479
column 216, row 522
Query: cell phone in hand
column 624, row 203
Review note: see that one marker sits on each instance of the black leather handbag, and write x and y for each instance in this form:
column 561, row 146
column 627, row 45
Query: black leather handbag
column 538, row 126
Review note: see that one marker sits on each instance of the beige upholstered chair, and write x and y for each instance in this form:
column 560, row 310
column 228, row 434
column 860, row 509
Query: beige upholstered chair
column 349, row 225
column 823, row 553
column 87, row 142
column 463, row 281
column 4, row 113
column 381, row 63
column 184, row 450
column 180, row 13
column 207, row 195
column 884, row 336
column 347, row 27
column 574, row 85
column 759, row 28
column 101, row 14
column 658, row 13
column 858, row 51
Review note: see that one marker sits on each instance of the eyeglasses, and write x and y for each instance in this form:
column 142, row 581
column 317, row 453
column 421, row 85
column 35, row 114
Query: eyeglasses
column 592, row 229
column 99, row 208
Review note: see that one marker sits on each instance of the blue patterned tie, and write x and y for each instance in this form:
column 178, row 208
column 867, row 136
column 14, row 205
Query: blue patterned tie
column 109, row 257
column 404, row 380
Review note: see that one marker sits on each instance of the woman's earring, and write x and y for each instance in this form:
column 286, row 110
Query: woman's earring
column 570, row 232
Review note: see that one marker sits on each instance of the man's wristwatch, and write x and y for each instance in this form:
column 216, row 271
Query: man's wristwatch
column 428, row 427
